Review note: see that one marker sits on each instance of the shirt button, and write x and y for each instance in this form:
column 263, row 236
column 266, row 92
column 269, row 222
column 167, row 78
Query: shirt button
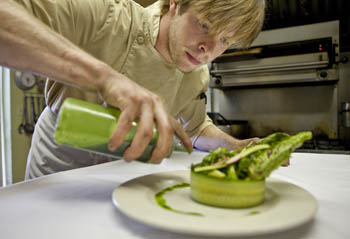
column 140, row 39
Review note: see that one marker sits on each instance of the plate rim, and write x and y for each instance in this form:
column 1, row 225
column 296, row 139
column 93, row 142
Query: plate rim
column 252, row 232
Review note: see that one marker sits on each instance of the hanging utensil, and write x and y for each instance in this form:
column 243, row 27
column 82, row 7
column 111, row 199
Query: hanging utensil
column 21, row 126
column 34, row 114
column 38, row 104
column 28, row 127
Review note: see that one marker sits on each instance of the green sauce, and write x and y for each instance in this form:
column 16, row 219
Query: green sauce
column 253, row 213
column 162, row 202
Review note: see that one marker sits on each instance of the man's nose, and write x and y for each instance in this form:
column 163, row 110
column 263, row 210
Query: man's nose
column 202, row 47
column 207, row 45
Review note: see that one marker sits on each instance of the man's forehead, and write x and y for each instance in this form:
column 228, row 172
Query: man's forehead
column 217, row 28
column 213, row 20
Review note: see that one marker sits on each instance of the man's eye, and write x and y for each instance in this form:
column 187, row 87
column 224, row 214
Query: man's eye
column 205, row 27
column 224, row 41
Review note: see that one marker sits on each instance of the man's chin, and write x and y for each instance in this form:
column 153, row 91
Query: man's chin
column 187, row 69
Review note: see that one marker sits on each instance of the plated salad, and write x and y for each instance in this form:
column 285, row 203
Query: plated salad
column 236, row 179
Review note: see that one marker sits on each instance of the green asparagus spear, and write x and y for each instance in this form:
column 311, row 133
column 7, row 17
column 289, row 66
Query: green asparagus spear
column 242, row 168
column 274, row 138
column 270, row 159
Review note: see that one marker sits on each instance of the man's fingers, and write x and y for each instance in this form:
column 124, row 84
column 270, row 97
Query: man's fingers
column 165, row 136
column 122, row 128
column 245, row 142
column 138, row 103
column 143, row 134
column 181, row 134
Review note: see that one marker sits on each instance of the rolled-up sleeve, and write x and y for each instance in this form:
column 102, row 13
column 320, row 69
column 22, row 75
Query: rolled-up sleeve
column 99, row 27
column 77, row 20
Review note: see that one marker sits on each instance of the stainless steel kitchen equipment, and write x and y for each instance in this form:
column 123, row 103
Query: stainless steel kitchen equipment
column 291, row 79
column 345, row 114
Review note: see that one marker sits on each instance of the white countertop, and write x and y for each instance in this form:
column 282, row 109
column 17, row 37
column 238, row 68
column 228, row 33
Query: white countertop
column 77, row 203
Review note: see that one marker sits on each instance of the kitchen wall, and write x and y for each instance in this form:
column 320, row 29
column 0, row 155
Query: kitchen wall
column 20, row 141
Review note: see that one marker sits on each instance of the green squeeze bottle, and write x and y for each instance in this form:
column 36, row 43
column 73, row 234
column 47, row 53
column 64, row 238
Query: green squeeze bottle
column 89, row 126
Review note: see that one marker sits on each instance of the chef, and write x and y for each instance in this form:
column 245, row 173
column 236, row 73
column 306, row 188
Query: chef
column 148, row 62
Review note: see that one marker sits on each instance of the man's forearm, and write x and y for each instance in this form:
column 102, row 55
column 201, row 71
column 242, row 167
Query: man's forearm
column 28, row 44
column 212, row 137
column 23, row 37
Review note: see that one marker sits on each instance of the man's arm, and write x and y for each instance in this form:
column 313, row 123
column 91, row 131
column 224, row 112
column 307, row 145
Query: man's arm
column 212, row 137
column 28, row 44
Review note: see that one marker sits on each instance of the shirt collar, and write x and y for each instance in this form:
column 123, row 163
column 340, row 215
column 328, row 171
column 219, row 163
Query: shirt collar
column 153, row 21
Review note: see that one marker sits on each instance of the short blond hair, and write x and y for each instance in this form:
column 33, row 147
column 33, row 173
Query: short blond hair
column 241, row 19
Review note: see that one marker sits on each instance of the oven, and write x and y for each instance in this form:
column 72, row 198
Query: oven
column 290, row 79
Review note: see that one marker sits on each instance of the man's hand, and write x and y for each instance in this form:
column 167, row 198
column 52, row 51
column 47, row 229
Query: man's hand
column 136, row 102
column 212, row 138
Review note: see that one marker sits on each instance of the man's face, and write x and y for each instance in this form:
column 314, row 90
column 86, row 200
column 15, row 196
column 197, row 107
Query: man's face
column 190, row 44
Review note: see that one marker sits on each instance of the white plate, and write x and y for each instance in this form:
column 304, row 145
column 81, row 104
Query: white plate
column 286, row 206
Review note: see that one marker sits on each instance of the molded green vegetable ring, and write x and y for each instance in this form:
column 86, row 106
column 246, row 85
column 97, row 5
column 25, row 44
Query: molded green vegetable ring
column 226, row 193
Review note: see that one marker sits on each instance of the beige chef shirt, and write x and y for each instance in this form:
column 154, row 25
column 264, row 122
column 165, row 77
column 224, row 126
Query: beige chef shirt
column 123, row 34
